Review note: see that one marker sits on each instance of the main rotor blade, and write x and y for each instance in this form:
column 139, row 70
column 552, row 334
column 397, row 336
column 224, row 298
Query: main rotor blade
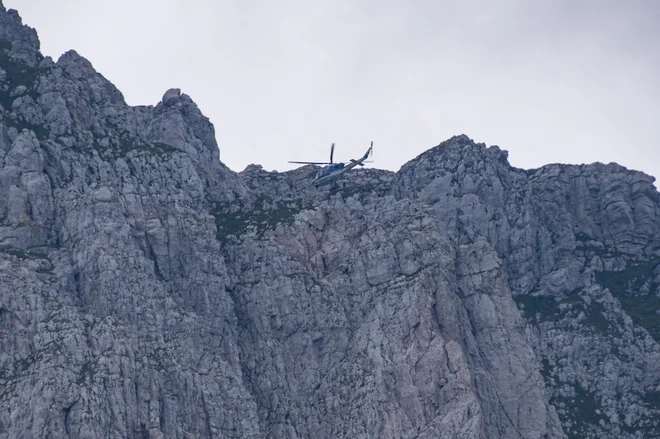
column 312, row 163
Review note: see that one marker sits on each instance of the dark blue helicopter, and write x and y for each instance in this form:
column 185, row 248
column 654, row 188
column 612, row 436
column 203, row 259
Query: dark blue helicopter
column 334, row 170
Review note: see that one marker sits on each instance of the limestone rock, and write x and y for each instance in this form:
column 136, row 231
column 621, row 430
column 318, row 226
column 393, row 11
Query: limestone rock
column 146, row 290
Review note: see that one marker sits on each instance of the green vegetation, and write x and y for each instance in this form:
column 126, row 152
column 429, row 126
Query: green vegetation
column 135, row 144
column 538, row 308
column 21, row 367
column 87, row 372
column 26, row 254
column 351, row 190
column 546, row 371
column 17, row 74
column 592, row 247
column 637, row 293
column 41, row 132
column 627, row 281
column 643, row 310
column 652, row 399
column 647, row 424
column 595, row 317
column 583, row 237
column 127, row 142
column 581, row 411
column 160, row 148
column 261, row 215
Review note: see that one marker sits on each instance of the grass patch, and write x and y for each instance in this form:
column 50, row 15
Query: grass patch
column 583, row 237
column 629, row 280
column 26, row 254
column 228, row 223
column 87, row 372
column 350, row 190
column 643, row 310
column 124, row 142
column 40, row 131
column 579, row 412
column 18, row 73
column 261, row 215
column 546, row 373
column 538, row 308
column 647, row 424
column 652, row 399
column 161, row 148
column 127, row 145
column 637, row 294
column 21, row 367
column 595, row 317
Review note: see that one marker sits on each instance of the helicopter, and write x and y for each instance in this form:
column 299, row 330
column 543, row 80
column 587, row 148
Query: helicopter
column 334, row 170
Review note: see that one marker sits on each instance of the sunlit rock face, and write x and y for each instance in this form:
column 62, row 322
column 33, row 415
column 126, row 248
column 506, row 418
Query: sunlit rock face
column 146, row 290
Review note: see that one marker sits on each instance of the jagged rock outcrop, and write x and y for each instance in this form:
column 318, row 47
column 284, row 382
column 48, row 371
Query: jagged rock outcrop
column 146, row 290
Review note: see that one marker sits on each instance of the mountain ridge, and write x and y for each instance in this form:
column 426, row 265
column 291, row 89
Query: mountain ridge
column 146, row 290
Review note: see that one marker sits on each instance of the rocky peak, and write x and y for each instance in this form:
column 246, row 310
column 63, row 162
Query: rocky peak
column 78, row 69
column 70, row 104
column 176, row 118
column 148, row 291
column 20, row 40
column 455, row 168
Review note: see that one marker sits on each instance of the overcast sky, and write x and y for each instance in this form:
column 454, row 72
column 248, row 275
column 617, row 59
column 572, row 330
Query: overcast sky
column 571, row 81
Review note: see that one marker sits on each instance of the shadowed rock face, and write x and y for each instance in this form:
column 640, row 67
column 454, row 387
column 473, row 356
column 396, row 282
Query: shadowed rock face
column 146, row 290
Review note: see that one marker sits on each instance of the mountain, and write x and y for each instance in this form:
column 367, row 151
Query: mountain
column 148, row 291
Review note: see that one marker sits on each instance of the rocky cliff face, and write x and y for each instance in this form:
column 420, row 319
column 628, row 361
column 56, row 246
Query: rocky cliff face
column 148, row 291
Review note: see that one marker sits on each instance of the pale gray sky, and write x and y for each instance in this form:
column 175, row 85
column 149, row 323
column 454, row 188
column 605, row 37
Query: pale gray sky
column 571, row 81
